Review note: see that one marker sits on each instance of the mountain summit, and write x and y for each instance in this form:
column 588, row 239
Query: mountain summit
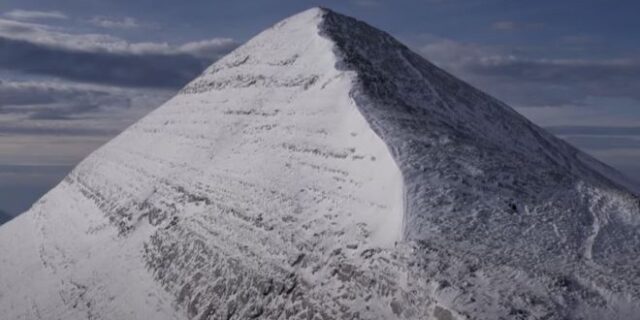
column 324, row 171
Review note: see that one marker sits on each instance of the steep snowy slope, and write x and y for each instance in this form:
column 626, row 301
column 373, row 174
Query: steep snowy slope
column 479, row 175
column 324, row 171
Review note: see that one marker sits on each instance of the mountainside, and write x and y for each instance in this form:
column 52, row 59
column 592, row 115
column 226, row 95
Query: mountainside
column 324, row 171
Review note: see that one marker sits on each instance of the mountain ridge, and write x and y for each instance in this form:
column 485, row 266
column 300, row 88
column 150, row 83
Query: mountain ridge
column 523, row 137
column 250, row 194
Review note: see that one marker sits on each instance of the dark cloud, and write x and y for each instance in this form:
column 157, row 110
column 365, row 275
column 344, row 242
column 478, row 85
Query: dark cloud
column 79, row 106
column 47, row 101
column 65, row 113
column 29, row 50
column 16, row 28
column 33, row 93
column 23, row 95
column 39, row 49
column 130, row 70
column 59, row 38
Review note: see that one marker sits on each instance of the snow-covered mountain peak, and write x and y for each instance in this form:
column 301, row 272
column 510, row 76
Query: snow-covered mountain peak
column 325, row 171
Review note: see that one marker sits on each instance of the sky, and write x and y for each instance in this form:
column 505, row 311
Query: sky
column 74, row 73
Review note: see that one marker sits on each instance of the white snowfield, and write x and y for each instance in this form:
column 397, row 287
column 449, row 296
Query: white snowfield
column 324, row 171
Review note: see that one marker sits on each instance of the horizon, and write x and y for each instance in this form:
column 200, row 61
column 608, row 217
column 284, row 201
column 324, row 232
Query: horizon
column 73, row 76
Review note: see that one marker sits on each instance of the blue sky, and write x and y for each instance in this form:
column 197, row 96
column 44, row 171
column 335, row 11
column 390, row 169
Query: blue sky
column 73, row 73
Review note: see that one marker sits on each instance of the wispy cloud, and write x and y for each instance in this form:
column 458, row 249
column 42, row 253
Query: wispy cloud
column 43, row 100
column 116, row 23
column 34, row 15
column 208, row 48
column 525, row 81
column 95, row 42
column 98, row 58
column 128, row 70
column 27, row 93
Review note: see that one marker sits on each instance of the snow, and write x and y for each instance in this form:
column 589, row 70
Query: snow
column 324, row 170
column 65, row 262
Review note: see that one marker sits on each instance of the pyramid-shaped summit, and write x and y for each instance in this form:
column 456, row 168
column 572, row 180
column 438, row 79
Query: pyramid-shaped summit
column 324, row 171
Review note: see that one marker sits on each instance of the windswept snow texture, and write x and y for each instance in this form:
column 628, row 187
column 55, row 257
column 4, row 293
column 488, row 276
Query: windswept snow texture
column 324, row 171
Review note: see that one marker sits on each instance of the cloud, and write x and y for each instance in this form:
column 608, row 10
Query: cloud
column 208, row 48
column 39, row 93
column 54, row 37
column 55, row 101
column 65, row 112
column 34, row 15
column 60, row 108
column 454, row 54
column 63, row 94
column 91, row 42
column 97, row 58
column 129, row 70
column 511, row 74
column 115, row 23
